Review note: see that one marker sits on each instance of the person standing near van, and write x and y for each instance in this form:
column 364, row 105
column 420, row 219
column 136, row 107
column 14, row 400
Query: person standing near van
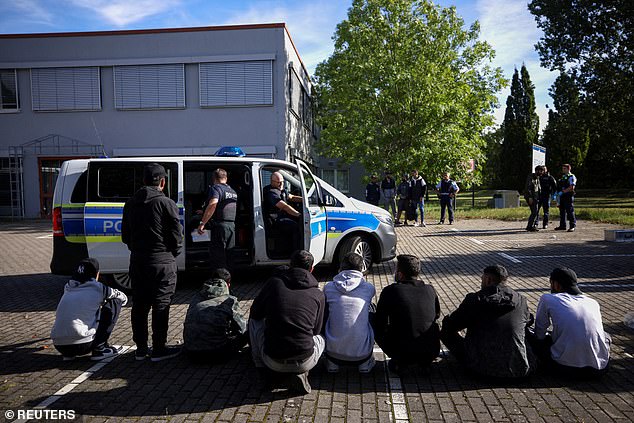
column 388, row 187
column 373, row 191
column 566, row 186
column 221, row 214
column 418, row 188
column 152, row 231
column 447, row 190
column 548, row 186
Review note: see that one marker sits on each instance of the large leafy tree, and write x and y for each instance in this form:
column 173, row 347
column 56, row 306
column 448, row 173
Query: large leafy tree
column 567, row 135
column 592, row 42
column 406, row 87
column 520, row 130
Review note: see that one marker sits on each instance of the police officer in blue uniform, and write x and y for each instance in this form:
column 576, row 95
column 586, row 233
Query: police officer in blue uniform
column 221, row 215
column 447, row 190
column 566, row 185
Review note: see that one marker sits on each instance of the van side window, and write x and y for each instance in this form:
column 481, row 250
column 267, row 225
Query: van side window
column 329, row 199
column 116, row 183
column 79, row 192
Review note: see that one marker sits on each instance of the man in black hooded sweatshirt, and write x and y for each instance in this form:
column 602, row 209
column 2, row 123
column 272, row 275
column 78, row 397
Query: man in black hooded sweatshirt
column 496, row 318
column 286, row 320
column 152, row 231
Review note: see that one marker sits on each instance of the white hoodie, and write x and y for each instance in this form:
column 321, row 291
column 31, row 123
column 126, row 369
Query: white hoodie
column 77, row 315
column 349, row 335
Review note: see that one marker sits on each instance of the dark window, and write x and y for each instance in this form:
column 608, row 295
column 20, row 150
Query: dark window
column 79, row 192
column 8, row 90
column 118, row 181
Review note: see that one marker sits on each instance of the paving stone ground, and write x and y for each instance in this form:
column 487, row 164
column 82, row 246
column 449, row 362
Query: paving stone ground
column 453, row 257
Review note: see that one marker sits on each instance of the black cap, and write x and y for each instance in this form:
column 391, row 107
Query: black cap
column 87, row 269
column 567, row 278
column 153, row 172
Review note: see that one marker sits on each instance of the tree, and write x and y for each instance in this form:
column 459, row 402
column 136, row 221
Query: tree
column 521, row 131
column 406, row 87
column 593, row 43
column 567, row 135
column 491, row 170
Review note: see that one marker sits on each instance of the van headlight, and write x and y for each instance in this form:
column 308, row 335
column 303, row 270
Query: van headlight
column 385, row 218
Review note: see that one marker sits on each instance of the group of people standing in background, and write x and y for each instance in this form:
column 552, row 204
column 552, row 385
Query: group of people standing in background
column 542, row 188
column 408, row 197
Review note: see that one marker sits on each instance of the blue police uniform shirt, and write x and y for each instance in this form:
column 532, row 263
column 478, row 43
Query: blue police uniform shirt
column 272, row 196
column 227, row 202
column 447, row 187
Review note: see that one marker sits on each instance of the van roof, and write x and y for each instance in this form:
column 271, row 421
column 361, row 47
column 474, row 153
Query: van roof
column 189, row 159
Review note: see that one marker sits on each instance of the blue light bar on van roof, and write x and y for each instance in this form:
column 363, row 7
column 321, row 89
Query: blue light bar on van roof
column 229, row 151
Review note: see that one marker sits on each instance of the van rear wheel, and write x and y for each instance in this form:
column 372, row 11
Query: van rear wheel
column 358, row 245
column 120, row 281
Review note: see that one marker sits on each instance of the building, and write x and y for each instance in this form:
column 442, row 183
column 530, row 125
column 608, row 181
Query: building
column 182, row 91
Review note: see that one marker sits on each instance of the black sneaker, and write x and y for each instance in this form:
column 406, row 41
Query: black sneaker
column 105, row 351
column 560, row 228
column 142, row 353
column 300, row 383
column 532, row 229
column 160, row 354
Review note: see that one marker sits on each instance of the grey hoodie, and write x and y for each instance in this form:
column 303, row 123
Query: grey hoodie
column 348, row 333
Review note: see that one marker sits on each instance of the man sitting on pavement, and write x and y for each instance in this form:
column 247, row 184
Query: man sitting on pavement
column 405, row 322
column 214, row 329
column 86, row 315
column 496, row 318
column 349, row 335
column 577, row 345
column 286, row 320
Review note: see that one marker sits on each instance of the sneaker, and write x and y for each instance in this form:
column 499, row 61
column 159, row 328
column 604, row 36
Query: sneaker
column 560, row 228
column 68, row 358
column 397, row 223
column 103, row 352
column 301, row 384
column 416, row 224
column 532, row 229
column 331, row 366
column 442, row 222
column 571, row 229
column 367, row 365
column 160, row 354
column 142, row 353
column 451, row 222
column 423, row 225
column 545, row 227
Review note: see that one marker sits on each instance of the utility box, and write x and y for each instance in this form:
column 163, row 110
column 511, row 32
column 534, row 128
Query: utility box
column 506, row 198
column 619, row 235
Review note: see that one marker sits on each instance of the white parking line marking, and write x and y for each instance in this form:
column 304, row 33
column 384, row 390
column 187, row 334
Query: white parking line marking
column 578, row 255
column 454, row 229
column 510, row 258
column 476, row 241
column 606, row 285
column 44, row 236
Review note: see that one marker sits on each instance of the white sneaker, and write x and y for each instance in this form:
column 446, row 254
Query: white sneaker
column 423, row 225
column 367, row 365
column 331, row 367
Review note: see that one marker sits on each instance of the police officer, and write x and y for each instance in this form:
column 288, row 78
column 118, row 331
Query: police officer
column 152, row 231
column 277, row 208
column 221, row 215
column 447, row 190
column 566, row 185
column 548, row 186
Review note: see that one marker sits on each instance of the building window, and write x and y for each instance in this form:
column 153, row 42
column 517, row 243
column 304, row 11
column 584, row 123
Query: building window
column 248, row 83
column 65, row 89
column 301, row 102
column 8, row 90
column 149, row 87
column 338, row 178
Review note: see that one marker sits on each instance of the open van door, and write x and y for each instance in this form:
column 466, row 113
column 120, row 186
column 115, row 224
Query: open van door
column 315, row 228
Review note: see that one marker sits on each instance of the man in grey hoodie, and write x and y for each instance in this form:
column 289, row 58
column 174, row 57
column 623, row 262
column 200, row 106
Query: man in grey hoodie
column 349, row 335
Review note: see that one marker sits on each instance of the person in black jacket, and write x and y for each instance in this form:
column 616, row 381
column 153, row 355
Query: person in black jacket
column 548, row 186
column 405, row 321
column 285, row 322
column 496, row 318
column 152, row 231
column 373, row 191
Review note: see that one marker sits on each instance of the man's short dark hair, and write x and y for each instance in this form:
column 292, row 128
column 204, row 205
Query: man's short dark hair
column 499, row 273
column 351, row 261
column 408, row 265
column 538, row 168
column 302, row 259
column 220, row 174
column 221, row 273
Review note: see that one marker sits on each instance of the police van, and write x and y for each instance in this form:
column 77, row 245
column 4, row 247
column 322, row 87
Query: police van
column 90, row 195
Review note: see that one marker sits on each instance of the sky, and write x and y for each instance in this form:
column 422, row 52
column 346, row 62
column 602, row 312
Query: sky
column 506, row 24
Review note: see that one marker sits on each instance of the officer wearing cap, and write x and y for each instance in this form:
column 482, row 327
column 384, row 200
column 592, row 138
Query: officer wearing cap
column 576, row 344
column 566, row 186
column 221, row 214
column 152, row 231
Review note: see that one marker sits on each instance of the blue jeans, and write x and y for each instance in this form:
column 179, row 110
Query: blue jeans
column 421, row 209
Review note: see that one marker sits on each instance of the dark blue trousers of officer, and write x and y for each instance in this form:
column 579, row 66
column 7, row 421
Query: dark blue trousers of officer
column 567, row 210
column 446, row 202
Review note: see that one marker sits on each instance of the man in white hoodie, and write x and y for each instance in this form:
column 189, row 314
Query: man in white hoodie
column 349, row 335
column 86, row 315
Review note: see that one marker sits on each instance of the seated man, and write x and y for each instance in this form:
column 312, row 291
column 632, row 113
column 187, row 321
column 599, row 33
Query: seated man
column 496, row 318
column 349, row 335
column 286, row 320
column 405, row 322
column 577, row 344
column 214, row 329
column 86, row 315
column 279, row 212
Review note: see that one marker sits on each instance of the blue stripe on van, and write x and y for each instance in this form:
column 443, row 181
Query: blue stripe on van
column 342, row 221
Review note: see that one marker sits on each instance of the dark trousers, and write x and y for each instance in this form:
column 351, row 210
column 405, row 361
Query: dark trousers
column 533, row 219
column 402, row 208
column 107, row 319
column 567, row 209
column 544, row 204
column 455, row 343
column 289, row 230
column 153, row 286
column 223, row 353
column 419, row 351
column 446, row 202
column 223, row 239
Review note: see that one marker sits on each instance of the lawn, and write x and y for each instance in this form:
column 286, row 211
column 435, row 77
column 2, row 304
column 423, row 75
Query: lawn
column 613, row 206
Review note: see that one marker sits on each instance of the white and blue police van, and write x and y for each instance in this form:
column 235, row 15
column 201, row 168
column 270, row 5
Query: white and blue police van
column 90, row 195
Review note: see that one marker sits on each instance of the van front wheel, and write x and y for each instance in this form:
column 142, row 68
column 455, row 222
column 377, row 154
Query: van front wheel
column 358, row 245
